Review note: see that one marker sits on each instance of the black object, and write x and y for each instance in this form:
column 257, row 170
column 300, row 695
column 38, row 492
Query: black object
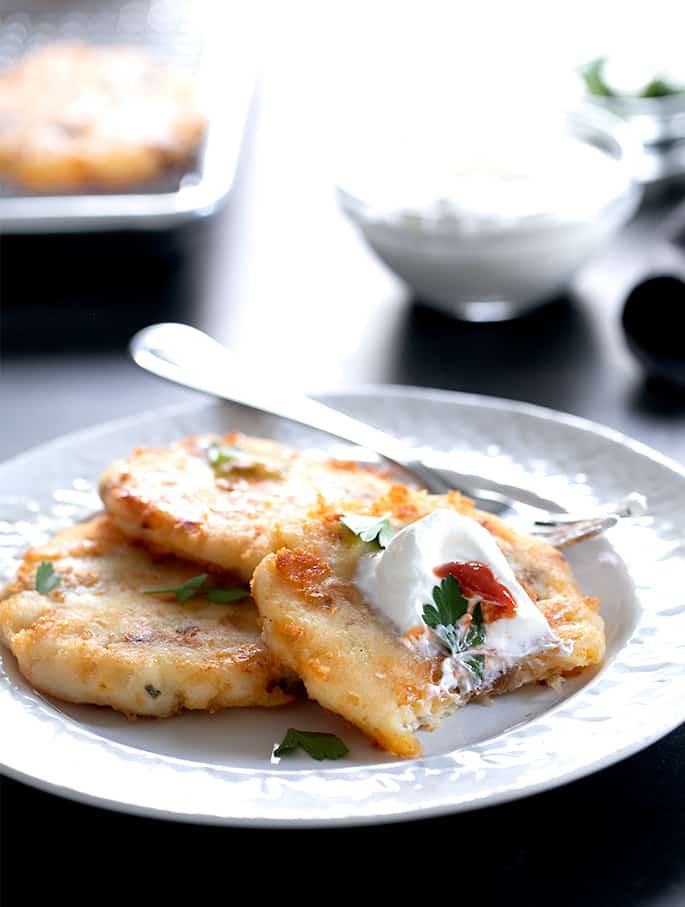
column 91, row 291
column 654, row 324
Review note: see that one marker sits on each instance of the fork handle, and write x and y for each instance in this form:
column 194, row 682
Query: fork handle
column 190, row 357
column 632, row 505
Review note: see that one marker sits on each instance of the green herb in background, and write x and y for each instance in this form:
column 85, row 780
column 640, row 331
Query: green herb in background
column 596, row 84
column 657, row 88
column 592, row 74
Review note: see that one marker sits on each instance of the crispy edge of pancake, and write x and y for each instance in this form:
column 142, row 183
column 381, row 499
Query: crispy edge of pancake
column 98, row 639
column 171, row 499
column 354, row 663
column 349, row 662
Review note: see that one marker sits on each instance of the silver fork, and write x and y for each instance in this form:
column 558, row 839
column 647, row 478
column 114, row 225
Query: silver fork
column 190, row 357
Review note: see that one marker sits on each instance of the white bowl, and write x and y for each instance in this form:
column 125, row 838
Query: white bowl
column 489, row 270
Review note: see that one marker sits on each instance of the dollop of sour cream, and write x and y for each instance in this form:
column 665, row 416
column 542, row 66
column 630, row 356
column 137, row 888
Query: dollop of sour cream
column 399, row 581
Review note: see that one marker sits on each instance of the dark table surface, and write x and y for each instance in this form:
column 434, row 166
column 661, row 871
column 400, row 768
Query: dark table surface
column 278, row 274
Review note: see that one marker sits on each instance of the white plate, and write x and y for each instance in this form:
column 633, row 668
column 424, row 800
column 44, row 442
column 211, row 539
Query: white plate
column 217, row 769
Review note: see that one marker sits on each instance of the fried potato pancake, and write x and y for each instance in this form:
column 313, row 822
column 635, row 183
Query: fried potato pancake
column 75, row 116
column 233, row 513
column 96, row 638
column 354, row 661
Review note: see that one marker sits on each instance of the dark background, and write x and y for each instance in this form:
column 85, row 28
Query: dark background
column 281, row 276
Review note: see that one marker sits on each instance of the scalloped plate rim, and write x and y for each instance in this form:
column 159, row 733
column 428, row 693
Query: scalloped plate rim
column 416, row 811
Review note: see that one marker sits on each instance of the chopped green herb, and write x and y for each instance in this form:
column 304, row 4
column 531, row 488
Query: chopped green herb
column 450, row 604
column 185, row 591
column 225, row 459
column 318, row 746
column 596, row 84
column 152, row 691
column 193, row 587
column 46, row 578
column 220, row 454
column 369, row 528
column 476, row 664
column 594, row 78
column 223, row 596
column 657, row 88
column 475, row 636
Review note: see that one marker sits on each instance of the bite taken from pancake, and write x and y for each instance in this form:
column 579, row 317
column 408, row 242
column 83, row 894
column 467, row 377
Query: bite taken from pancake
column 397, row 613
column 89, row 622
column 226, row 501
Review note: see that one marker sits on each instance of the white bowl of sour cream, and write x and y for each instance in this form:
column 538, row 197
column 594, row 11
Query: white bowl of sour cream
column 492, row 222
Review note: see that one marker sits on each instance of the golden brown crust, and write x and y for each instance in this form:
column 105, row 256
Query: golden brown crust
column 355, row 663
column 98, row 639
column 171, row 498
column 349, row 658
column 349, row 661
column 305, row 571
column 76, row 116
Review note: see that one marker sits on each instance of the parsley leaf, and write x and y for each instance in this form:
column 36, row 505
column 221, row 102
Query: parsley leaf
column 193, row 586
column 450, row 604
column 658, row 88
column 369, row 528
column 185, row 591
column 223, row 596
column 443, row 618
column 46, row 578
column 318, row 746
column 476, row 664
column 220, row 454
column 475, row 636
column 596, row 83
column 593, row 75
column 226, row 459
